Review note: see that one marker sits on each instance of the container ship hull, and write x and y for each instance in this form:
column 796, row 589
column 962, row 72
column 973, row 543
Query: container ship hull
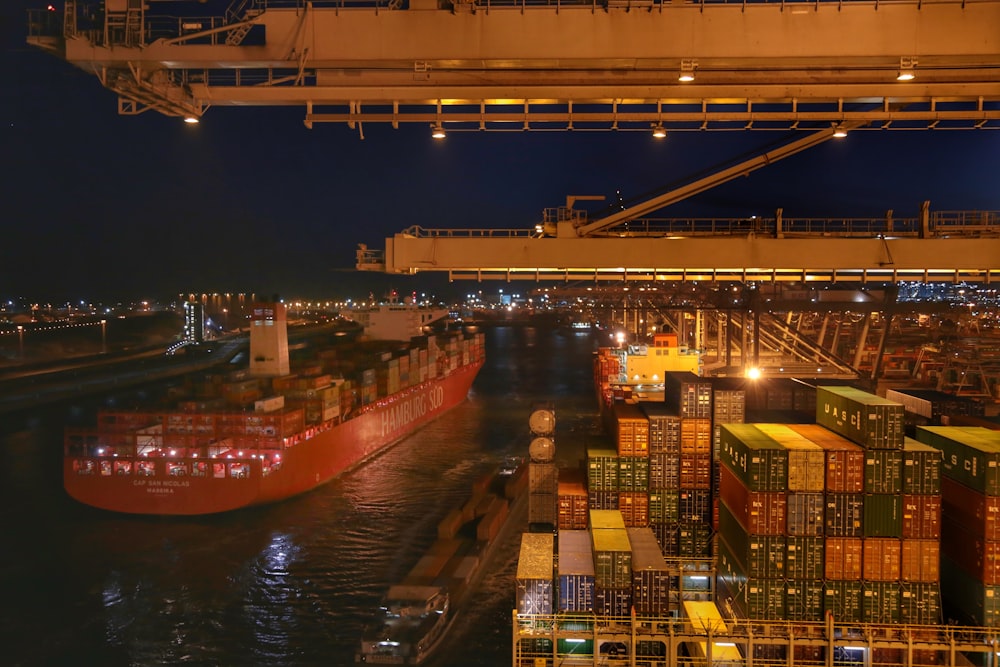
column 168, row 485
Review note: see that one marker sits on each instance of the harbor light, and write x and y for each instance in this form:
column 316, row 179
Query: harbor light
column 906, row 72
column 687, row 71
column 753, row 373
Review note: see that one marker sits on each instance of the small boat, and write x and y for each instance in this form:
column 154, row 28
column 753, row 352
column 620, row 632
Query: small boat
column 410, row 622
column 416, row 612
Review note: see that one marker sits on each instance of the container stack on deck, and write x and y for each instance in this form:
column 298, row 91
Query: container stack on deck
column 664, row 476
column 970, row 557
column 543, row 474
column 840, row 517
column 691, row 397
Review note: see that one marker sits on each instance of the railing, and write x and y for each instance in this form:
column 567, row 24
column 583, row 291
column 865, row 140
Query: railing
column 943, row 223
column 659, row 641
column 87, row 20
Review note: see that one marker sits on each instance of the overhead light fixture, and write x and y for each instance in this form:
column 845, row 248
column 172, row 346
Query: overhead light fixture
column 191, row 120
column 906, row 67
column 687, row 70
column 839, row 131
column 437, row 131
column 659, row 131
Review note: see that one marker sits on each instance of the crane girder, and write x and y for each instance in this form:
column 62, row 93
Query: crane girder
column 484, row 66
column 733, row 257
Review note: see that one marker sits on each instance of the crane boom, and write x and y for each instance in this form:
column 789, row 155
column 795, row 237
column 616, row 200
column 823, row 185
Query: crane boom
column 717, row 178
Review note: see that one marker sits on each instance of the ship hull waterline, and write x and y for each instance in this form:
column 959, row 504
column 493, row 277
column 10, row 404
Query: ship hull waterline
column 306, row 466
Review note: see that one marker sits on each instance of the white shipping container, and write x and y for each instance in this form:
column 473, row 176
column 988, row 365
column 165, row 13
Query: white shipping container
column 269, row 404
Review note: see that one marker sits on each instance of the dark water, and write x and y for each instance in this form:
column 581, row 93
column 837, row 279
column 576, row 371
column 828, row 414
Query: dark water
column 289, row 584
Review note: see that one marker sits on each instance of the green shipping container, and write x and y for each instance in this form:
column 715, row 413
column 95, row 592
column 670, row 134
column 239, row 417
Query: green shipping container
column 758, row 460
column 921, row 468
column 880, row 601
column 694, row 539
column 804, row 600
column 804, row 558
column 758, row 555
column 967, row 595
column 763, row 599
column 971, row 455
column 602, row 470
column 664, row 507
column 633, row 473
column 883, row 515
column 612, row 558
column 861, row 417
column 806, row 459
column 843, row 599
column 883, row 471
column 919, row 603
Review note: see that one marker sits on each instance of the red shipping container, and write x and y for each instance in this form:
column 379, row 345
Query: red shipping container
column 977, row 556
column 921, row 516
column 759, row 512
column 573, row 507
column 843, row 558
column 881, row 559
column 978, row 513
column 920, row 561
column 634, row 506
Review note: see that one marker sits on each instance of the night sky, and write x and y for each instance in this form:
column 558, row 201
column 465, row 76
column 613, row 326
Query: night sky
column 104, row 207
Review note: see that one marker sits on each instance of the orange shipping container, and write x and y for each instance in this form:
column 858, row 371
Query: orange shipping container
column 572, row 506
column 843, row 558
column 696, row 436
column 696, row 471
column 920, row 561
column 881, row 559
column 631, row 430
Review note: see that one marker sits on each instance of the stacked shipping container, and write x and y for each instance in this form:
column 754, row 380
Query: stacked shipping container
column 690, row 397
column 970, row 494
column 841, row 527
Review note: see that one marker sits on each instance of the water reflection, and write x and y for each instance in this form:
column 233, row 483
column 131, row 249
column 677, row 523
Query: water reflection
column 289, row 584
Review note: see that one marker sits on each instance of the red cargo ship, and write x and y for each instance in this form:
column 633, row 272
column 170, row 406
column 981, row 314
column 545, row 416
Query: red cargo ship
column 270, row 433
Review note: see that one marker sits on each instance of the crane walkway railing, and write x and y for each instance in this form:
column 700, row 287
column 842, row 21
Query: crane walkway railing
column 940, row 224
